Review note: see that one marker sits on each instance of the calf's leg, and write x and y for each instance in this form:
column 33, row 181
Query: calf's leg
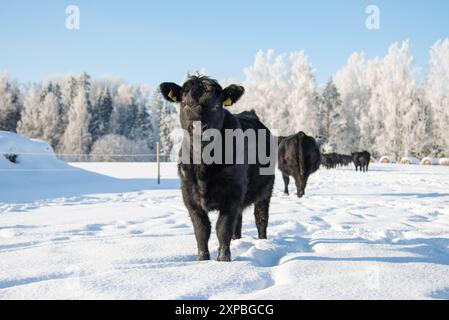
column 261, row 214
column 202, row 228
column 225, row 228
column 286, row 182
column 238, row 227
column 300, row 185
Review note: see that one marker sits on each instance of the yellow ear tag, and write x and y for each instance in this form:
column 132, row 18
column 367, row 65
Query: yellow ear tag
column 227, row 102
column 172, row 96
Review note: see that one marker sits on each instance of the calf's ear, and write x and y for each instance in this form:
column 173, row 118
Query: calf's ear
column 232, row 94
column 171, row 91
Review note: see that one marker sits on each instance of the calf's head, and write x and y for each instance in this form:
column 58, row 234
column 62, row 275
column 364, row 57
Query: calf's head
column 202, row 100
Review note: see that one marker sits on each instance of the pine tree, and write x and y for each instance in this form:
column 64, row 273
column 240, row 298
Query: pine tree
column 101, row 112
column 124, row 111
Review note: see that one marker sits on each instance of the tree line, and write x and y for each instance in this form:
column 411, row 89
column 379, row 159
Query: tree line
column 89, row 120
column 383, row 105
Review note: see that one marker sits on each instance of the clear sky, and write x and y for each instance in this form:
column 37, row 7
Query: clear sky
column 153, row 41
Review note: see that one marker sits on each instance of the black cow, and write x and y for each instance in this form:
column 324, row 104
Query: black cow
column 361, row 160
column 228, row 188
column 333, row 160
column 299, row 156
column 344, row 160
column 329, row 160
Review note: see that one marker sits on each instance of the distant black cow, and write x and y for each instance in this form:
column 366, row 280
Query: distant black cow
column 361, row 160
column 299, row 157
column 329, row 160
column 228, row 188
column 344, row 160
column 333, row 160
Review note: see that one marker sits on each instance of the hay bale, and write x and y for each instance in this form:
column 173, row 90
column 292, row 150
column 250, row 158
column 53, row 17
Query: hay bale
column 409, row 160
column 428, row 161
column 387, row 159
column 444, row 162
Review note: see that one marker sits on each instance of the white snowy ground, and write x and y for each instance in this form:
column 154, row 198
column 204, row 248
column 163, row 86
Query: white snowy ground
column 113, row 233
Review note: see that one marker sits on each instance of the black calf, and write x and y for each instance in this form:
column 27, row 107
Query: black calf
column 228, row 188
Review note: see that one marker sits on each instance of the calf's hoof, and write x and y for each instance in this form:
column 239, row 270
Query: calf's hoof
column 203, row 255
column 236, row 236
column 224, row 255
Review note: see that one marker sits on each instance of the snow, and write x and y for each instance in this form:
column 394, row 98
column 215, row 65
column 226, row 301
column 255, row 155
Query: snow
column 107, row 230
column 34, row 154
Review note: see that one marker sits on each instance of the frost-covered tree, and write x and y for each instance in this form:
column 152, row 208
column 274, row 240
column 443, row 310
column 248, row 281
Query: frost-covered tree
column 333, row 123
column 354, row 85
column 282, row 90
column 10, row 104
column 42, row 113
column 166, row 130
column 437, row 93
column 417, row 124
column 50, row 115
column 101, row 112
column 302, row 96
column 125, row 111
column 114, row 147
column 392, row 96
column 30, row 123
column 76, row 141
column 156, row 104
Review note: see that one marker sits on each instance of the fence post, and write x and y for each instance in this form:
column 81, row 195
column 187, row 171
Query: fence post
column 158, row 163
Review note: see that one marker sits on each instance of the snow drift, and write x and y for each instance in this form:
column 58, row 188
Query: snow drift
column 39, row 175
column 31, row 153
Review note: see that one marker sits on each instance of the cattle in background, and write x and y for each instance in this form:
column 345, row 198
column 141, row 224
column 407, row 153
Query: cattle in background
column 227, row 188
column 298, row 156
column 344, row 160
column 361, row 160
column 328, row 160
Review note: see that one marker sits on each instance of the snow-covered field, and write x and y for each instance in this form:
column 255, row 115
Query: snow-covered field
column 107, row 230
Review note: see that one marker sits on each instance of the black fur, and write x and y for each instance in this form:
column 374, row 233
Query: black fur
column 333, row 160
column 361, row 160
column 299, row 156
column 227, row 188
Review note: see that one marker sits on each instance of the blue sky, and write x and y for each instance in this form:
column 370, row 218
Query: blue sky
column 153, row 41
